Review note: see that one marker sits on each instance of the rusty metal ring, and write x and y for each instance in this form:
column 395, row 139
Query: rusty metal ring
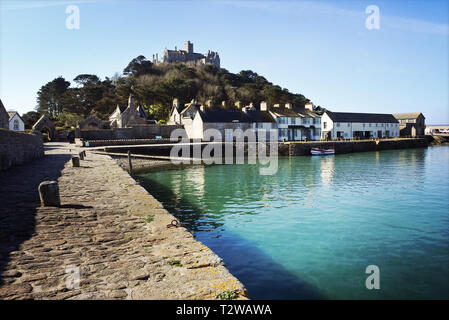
column 174, row 223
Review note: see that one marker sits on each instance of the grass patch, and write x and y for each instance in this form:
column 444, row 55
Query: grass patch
column 174, row 263
column 149, row 218
column 227, row 295
column 128, row 238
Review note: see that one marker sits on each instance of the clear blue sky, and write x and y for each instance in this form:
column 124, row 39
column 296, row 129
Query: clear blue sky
column 321, row 49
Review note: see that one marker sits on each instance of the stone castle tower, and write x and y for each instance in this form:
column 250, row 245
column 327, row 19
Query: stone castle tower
column 188, row 56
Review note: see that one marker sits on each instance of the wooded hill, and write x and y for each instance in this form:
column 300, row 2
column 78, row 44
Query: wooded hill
column 154, row 88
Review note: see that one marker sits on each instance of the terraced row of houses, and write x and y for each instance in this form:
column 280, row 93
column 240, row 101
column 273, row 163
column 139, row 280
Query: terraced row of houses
column 292, row 123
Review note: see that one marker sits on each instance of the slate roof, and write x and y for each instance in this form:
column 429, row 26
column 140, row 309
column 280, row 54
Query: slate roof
column 225, row 116
column 410, row 115
column 11, row 115
column 284, row 112
column 141, row 112
column 189, row 105
column 361, row 117
column 260, row 116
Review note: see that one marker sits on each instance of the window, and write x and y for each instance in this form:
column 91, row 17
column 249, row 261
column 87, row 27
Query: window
column 324, row 125
column 349, row 124
column 16, row 125
column 283, row 132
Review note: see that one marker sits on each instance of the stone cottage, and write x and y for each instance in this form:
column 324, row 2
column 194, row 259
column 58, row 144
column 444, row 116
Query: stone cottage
column 411, row 124
column 129, row 116
column 4, row 117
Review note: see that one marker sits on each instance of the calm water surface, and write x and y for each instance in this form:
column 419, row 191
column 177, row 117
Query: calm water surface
column 310, row 231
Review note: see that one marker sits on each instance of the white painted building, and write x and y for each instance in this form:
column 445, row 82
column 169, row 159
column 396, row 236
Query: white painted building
column 15, row 122
column 226, row 121
column 347, row 125
column 295, row 124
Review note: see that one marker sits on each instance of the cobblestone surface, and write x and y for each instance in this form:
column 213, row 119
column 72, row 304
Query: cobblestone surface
column 107, row 226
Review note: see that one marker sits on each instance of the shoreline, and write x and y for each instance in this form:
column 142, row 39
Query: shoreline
column 110, row 228
column 145, row 163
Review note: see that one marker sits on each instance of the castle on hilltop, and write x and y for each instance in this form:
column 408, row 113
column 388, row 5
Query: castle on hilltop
column 188, row 57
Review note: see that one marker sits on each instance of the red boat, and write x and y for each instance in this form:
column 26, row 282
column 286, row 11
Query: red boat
column 322, row 152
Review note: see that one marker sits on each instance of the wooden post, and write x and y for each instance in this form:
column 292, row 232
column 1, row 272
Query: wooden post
column 81, row 155
column 130, row 163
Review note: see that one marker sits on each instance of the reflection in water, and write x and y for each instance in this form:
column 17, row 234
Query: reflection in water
column 195, row 180
column 310, row 230
column 327, row 169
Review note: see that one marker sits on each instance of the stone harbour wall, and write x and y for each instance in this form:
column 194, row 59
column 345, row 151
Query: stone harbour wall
column 17, row 148
column 303, row 148
column 109, row 231
column 149, row 131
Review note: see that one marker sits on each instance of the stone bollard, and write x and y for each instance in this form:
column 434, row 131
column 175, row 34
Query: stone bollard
column 49, row 194
column 75, row 161
column 81, row 155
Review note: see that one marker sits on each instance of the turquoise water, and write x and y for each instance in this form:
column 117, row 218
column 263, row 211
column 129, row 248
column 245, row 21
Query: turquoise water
column 310, row 231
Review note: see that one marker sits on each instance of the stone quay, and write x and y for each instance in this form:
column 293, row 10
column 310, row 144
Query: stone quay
column 108, row 238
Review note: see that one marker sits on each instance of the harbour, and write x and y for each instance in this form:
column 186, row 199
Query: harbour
column 310, row 231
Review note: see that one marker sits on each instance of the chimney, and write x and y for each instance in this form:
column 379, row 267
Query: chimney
column 157, row 58
column 176, row 48
column 263, row 106
column 309, row 106
column 288, row 105
column 131, row 101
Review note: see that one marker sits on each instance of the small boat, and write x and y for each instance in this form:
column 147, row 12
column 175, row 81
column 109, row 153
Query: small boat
column 321, row 152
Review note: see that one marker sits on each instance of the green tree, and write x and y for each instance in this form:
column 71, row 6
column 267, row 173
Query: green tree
column 50, row 97
column 30, row 118
column 138, row 66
